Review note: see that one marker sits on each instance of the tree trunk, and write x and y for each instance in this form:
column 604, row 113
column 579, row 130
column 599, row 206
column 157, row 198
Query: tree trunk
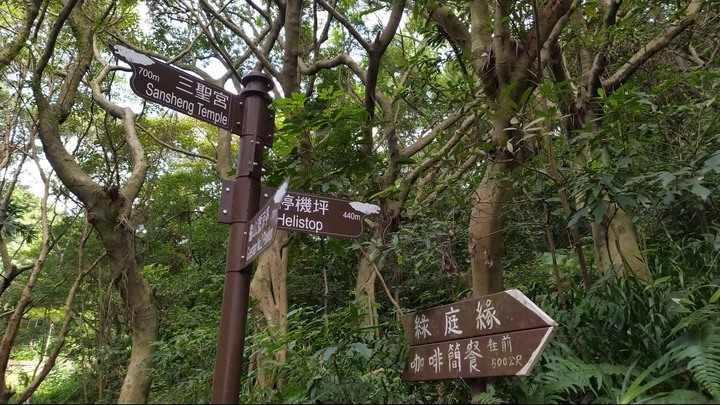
column 616, row 246
column 118, row 239
column 13, row 325
column 269, row 288
column 109, row 209
column 365, row 290
column 369, row 265
column 487, row 221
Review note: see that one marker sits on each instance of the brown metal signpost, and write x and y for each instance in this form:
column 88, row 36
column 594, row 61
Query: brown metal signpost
column 499, row 334
column 251, row 230
column 247, row 115
column 257, row 127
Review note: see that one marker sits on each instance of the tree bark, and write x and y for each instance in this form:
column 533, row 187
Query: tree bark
column 615, row 238
column 487, row 222
column 616, row 246
column 365, row 297
column 11, row 329
column 140, row 306
column 269, row 287
column 505, row 66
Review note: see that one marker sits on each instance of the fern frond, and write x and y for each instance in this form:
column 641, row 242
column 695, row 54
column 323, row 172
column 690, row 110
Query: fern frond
column 572, row 375
column 488, row 397
column 701, row 346
column 678, row 397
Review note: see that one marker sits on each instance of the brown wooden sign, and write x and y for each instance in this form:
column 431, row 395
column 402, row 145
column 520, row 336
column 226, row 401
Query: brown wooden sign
column 505, row 311
column 262, row 227
column 498, row 334
column 511, row 353
column 161, row 83
column 322, row 215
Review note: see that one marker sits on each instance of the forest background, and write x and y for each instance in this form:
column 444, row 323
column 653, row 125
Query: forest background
column 566, row 148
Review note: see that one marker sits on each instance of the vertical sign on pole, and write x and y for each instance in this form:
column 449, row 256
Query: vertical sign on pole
column 264, row 224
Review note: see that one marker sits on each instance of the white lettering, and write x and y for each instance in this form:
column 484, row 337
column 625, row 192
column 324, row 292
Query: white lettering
column 451, row 322
column 303, row 223
column 422, row 323
column 417, row 363
column 217, row 118
column 472, row 353
column 485, row 318
column 170, row 98
column 264, row 241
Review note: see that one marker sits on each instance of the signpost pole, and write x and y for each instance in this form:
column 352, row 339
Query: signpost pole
column 256, row 128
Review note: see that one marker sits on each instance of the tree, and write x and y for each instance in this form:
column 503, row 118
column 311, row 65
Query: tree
column 503, row 43
column 615, row 239
column 505, row 46
column 109, row 207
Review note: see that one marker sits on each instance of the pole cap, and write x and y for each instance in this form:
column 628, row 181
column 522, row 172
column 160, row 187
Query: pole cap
column 257, row 81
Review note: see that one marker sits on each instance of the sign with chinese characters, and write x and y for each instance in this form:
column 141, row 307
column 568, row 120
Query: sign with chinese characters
column 495, row 313
column 161, row 83
column 322, row 215
column 261, row 231
column 499, row 334
column 511, row 353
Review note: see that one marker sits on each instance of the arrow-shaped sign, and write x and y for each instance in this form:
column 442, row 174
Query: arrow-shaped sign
column 511, row 353
column 505, row 311
column 164, row 84
column 323, row 215
column 309, row 213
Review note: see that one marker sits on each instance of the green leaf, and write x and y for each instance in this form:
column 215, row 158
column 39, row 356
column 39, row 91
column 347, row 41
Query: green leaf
column 713, row 163
column 582, row 213
column 635, row 389
column 715, row 296
column 329, row 351
column 526, row 96
column 383, row 191
column 700, row 191
column 599, row 211
column 679, row 397
column 360, row 348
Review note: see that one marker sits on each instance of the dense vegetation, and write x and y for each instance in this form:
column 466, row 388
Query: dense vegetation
column 578, row 163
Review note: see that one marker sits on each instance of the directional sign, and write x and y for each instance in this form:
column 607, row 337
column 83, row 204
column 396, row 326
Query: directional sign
column 511, row 353
column 495, row 313
column 262, row 227
column 498, row 334
column 161, row 83
column 322, row 215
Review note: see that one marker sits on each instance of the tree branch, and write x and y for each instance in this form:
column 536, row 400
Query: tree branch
column 459, row 133
column 345, row 23
column 540, row 32
column 50, row 116
column 430, row 135
column 655, row 45
column 259, row 53
column 175, row 148
column 9, row 52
